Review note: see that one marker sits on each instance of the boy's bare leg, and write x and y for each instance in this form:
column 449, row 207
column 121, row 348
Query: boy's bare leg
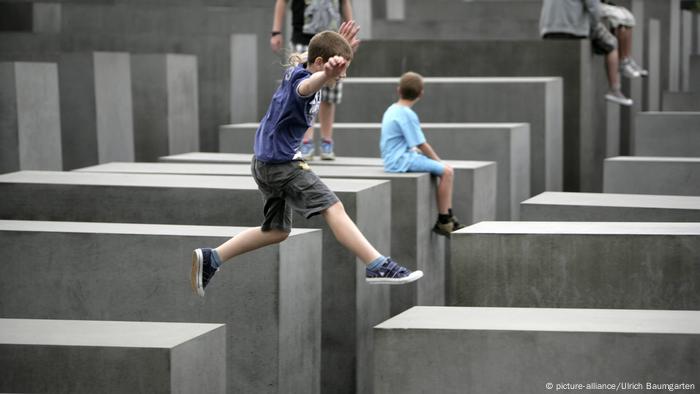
column 624, row 38
column 309, row 135
column 347, row 233
column 612, row 64
column 444, row 190
column 326, row 116
column 250, row 239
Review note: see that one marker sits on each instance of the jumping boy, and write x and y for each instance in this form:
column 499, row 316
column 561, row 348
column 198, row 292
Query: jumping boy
column 404, row 149
column 284, row 179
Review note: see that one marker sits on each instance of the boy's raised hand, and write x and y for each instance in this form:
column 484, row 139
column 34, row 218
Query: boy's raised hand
column 349, row 30
column 335, row 67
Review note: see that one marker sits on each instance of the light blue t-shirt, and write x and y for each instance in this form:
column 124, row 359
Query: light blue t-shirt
column 401, row 132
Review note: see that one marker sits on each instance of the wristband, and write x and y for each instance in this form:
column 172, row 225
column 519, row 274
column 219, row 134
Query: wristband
column 274, row 33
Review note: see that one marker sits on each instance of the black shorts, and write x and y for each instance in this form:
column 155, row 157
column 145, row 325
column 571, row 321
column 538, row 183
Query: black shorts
column 290, row 186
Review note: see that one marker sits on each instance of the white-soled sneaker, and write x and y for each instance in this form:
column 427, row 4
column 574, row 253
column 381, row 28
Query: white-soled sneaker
column 390, row 273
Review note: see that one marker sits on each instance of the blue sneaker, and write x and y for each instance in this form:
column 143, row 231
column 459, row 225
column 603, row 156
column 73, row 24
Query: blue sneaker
column 202, row 270
column 307, row 150
column 327, row 150
column 391, row 273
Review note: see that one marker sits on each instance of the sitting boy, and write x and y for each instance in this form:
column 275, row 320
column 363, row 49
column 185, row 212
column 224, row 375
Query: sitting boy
column 404, row 149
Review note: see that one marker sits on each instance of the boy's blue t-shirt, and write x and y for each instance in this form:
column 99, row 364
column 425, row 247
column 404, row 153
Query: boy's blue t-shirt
column 281, row 130
column 401, row 132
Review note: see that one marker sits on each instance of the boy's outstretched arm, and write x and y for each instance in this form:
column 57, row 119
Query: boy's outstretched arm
column 428, row 151
column 334, row 68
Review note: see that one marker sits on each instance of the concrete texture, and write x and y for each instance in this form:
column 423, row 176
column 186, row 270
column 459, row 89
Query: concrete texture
column 667, row 134
column 473, row 179
column 652, row 175
column 166, row 113
column 654, row 66
column 681, row 101
column 449, row 19
column 582, row 72
column 30, row 129
column 537, row 101
column 269, row 299
column 609, row 207
column 508, row 350
column 81, row 356
column 96, row 108
column 576, row 265
column 200, row 28
column 506, row 144
column 244, row 77
column 350, row 306
column 413, row 212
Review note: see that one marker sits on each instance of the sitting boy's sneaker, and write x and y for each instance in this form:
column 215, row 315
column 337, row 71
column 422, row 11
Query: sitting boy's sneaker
column 444, row 228
column 307, row 150
column 327, row 150
column 202, row 270
column 616, row 96
column 390, row 273
column 456, row 225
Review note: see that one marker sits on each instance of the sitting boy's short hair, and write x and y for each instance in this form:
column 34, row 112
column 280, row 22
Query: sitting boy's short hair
column 327, row 44
column 410, row 85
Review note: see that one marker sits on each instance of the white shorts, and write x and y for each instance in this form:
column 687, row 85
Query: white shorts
column 616, row 16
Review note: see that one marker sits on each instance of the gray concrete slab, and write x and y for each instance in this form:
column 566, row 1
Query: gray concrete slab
column 198, row 28
column 652, row 175
column 30, row 129
column 475, row 179
column 582, row 73
column 350, row 306
column 603, row 207
column 97, row 115
column 681, row 101
column 667, row 134
column 537, row 101
column 576, row 265
column 269, row 299
column 166, row 114
column 41, row 355
column 449, row 19
column 507, row 144
column 457, row 350
column 413, row 211
column 654, row 66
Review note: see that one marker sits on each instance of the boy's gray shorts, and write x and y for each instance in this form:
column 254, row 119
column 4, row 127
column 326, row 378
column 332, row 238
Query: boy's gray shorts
column 286, row 187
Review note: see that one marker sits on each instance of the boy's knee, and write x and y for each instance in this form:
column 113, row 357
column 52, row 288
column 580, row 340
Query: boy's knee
column 334, row 209
column 448, row 172
column 278, row 235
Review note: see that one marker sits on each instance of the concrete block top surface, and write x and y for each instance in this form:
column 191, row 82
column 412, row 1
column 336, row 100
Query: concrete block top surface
column 546, row 319
column 614, row 200
column 238, row 169
column 652, row 159
column 224, row 158
column 164, row 180
column 99, row 333
column 378, row 126
column 428, row 80
column 582, row 228
column 126, row 228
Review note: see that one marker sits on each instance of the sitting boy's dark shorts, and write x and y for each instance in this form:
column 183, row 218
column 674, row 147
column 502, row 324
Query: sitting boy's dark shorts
column 286, row 187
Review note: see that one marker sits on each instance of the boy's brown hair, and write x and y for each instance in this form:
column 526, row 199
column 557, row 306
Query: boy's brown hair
column 410, row 85
column 327, row 44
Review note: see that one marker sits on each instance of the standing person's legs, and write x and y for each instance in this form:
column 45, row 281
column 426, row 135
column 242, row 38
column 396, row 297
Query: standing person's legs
column 330, row 97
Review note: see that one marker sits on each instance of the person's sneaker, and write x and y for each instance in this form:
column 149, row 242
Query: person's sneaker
column 456, row 225
column 202, row 270
column 444, row 228
column 327, row 150
column 390, row 273
column 619, row 98
column 639, row 68
column 628, row 70
column 307, row 150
